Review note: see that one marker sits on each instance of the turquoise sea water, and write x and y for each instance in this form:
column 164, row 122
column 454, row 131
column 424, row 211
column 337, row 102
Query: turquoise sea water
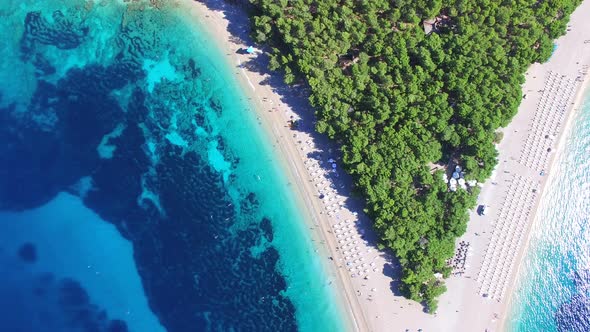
column 553, row 290
column 137, row 191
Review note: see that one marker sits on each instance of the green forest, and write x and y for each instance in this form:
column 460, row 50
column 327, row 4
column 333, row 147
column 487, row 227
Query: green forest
column 399, row 100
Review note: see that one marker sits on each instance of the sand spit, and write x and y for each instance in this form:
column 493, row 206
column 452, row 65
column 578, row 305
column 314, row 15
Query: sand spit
column 479, row 291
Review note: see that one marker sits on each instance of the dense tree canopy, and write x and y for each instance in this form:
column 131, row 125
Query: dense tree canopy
column 399, row 99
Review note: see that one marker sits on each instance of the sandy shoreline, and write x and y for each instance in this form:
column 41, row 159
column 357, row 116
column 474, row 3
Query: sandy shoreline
column 562, row 137
column 264, row 100
column 534, row 218
column 498, row 241
column 554, row 91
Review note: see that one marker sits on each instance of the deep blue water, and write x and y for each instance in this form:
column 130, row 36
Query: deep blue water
column 135, row 191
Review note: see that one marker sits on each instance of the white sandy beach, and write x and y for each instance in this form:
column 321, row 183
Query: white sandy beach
column 477, row 299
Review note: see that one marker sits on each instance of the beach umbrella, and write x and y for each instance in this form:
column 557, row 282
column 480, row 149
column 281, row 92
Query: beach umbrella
column 334, row 166
column 250, row 50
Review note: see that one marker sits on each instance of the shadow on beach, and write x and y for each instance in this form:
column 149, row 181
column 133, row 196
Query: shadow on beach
column 296, row 97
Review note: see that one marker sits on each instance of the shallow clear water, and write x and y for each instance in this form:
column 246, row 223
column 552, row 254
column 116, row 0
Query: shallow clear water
column 136, row 189
column 553, row 291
